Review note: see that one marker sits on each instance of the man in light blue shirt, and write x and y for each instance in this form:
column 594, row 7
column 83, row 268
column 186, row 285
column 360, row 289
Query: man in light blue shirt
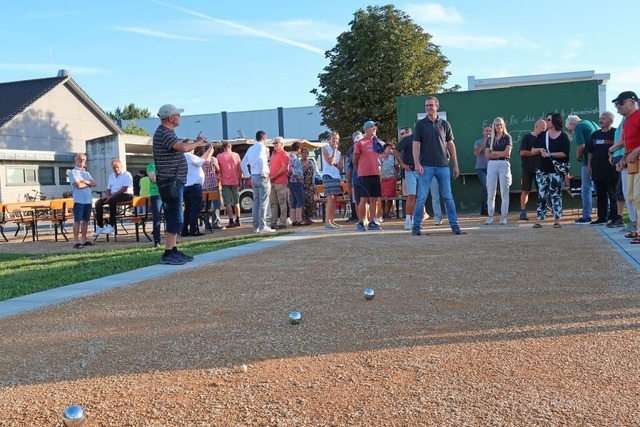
column 256, row 165
column 81, row 183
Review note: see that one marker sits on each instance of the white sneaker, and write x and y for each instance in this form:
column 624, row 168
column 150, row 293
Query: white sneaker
column 256, row 230
column 503, row 221
column 266, row 230
column 377, row 221
column 289, row 221
column 98, row 231
column 407, row 224
column 489, row 221
column 438, row 222
column 108, row 229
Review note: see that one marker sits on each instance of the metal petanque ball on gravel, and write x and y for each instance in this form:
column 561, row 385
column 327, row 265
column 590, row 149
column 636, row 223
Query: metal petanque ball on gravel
column 295, row 317
column 73, row 416
column 369, row 294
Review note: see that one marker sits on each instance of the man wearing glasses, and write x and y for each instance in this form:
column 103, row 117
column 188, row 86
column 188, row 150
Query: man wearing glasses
column 627, row 105
column 432, row 147
column 582, row 130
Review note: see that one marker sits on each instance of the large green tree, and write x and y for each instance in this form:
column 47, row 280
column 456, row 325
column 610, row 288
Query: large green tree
column 130, row 112
column 384, row 55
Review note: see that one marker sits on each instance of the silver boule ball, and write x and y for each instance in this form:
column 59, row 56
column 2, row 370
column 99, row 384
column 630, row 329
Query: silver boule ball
column 295, row 317
column 369, row 294
column 73, row 416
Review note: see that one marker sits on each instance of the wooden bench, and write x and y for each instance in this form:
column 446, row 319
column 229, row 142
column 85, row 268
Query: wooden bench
column 23, row 216
column 60, row 211
column 129, row 211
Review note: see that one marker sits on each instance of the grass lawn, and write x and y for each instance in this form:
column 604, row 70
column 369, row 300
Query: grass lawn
column 23, row 274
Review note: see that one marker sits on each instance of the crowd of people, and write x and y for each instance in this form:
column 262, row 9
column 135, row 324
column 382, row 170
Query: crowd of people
column 425, row 160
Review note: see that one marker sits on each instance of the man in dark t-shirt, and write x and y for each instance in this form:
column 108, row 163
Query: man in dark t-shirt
column 171, row 165
column 432, row 148
column 530, row 163
column 602, row 171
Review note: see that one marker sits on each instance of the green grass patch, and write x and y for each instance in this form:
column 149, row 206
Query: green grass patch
column 24, row 274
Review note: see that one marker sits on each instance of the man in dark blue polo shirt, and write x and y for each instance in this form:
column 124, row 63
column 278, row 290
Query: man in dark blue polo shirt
column 433, row 146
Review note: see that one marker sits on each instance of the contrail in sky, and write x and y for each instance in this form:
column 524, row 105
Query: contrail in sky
column 245, row 29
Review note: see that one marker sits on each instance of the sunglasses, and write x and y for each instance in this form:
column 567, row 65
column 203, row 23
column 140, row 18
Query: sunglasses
column 621, row 103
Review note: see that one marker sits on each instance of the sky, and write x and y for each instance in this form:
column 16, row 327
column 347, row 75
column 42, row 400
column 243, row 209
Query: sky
column 208, row 56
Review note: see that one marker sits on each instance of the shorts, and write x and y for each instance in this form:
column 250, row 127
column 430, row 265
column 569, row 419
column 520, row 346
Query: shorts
column 81, row 212
column 173, row 212
column 412, row 183
column 230, row 195
column 370, row 186
column 527, row 179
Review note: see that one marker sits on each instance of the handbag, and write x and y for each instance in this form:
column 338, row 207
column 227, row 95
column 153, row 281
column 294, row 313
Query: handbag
column 169, row 189
column 562, row 168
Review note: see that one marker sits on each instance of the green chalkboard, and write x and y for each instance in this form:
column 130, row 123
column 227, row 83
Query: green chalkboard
column 468, row 112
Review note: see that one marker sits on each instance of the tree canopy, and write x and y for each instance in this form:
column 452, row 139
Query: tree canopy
column 130, row 112
column 384, row 55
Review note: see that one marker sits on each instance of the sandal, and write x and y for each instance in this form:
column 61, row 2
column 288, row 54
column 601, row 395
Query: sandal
column 557, row 226
column 78, row 246
column 632, row 235
column 635, row 241
column 537, row 225
column 87, row 243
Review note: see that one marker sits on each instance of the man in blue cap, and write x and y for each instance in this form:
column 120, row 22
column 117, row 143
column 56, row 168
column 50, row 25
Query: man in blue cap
column 365, row 160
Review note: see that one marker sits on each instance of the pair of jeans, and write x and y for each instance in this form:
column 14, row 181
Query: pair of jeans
column 192, row 208
column 586, row 191
column 156, row 211
column 261, row 188
column 482, row 177
column 442, row 174
column 498, row 171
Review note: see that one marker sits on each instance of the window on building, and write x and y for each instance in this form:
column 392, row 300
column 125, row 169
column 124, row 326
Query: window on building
column 46, row 175
column 43, row 175
column 63, row 175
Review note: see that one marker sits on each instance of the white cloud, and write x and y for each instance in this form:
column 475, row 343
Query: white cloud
column 153, row 33
column 246, row 30
column 433, row 13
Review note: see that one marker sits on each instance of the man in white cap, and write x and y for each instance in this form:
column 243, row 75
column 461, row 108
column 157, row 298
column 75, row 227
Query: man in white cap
column 171, row 165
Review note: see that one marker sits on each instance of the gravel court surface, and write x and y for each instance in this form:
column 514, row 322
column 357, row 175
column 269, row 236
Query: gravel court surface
column 502, row 326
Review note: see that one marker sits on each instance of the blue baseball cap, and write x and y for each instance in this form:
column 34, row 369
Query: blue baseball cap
column 369, row 123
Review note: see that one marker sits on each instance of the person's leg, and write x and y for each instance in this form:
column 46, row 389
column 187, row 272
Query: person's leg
column 505, row 182
column 282, row 192
column 256, row 185
column 627, row 201
column 84, row 225
column 264, row 211
column 482, row 178
column 434, row 189
column 556, row 185
column 215, row 213
column 156, row 208
column 602, row 201
column 196, row 208
column 187, row 211
column 273, row 202
column 613, row 207
column 76, row 232
column 492, row 182
column 99, row 205
column 424, row 185
column 77, row 215
column 543, row 195
column 443, row 175
column 586, row 190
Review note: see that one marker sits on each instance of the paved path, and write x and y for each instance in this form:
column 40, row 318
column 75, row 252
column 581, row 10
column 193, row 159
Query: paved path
column 613, row 236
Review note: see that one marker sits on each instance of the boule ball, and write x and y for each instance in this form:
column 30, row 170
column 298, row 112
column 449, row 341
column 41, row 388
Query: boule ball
column 295, row 317
column 73, row 416
column 369, row 294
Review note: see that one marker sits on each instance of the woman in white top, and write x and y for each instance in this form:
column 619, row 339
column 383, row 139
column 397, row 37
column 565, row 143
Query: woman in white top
column 498, row 151
column 331, row 168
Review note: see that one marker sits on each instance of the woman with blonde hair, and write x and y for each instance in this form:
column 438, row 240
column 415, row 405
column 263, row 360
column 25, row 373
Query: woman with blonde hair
column 331, row 168
column 498, row 151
